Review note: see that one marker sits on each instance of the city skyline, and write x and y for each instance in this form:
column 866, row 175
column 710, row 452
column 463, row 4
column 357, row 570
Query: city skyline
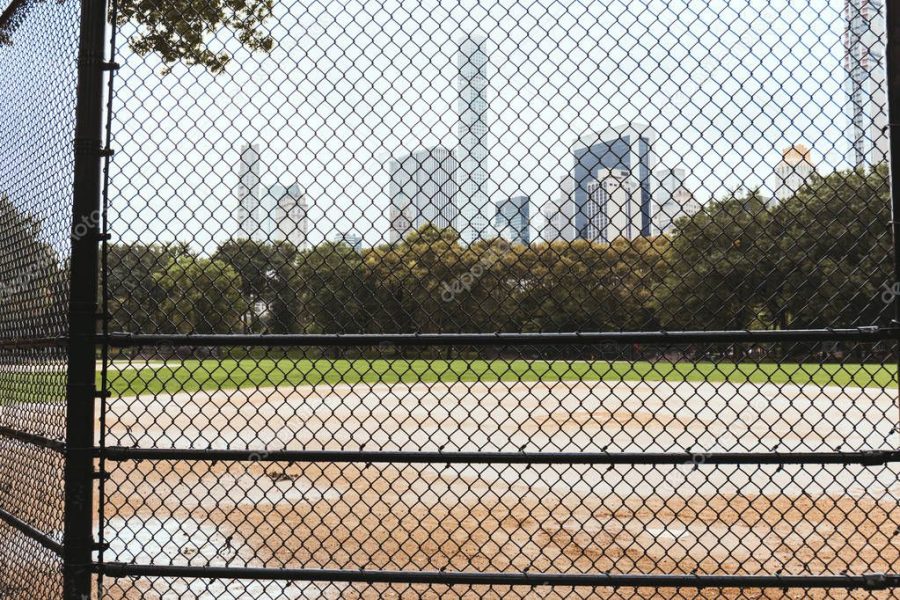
column 672, row 199
column 625, row 147
column 277, row 213
column 423, row 189
column 512, row 219
column 795, row 168
column 540, row 98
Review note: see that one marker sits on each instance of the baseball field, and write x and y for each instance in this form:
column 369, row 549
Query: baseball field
column 685, row 518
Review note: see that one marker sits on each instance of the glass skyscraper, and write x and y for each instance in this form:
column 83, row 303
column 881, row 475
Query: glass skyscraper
column 628, row 148
column 422, row 189
column 473, row 153
column 864, row 51
column 249, row 215
column 512, row 220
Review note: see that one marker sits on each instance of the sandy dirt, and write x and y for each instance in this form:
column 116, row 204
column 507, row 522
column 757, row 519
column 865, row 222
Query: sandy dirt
column 626, row 519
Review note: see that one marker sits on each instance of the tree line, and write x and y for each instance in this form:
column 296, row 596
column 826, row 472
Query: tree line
column 820, row 258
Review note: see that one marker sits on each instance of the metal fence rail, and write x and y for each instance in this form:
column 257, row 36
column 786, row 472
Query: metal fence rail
column 483, row 299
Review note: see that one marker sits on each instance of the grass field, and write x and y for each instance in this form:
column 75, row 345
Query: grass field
column 208, row 375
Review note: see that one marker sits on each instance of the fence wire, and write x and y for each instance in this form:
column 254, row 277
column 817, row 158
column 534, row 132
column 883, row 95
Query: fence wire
column 38, row 48
column 493, row 299
column 322, row 215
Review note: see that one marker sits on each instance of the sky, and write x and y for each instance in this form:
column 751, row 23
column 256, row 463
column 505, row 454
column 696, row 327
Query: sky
column 726, row 85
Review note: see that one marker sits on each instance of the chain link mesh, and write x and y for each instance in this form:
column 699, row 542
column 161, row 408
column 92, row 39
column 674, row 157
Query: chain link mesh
column 512, row 166
column 399, row 169
column 486, row 299
column 38, row 48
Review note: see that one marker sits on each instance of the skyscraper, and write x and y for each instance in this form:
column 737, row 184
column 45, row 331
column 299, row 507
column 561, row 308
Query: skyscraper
column 250, row 215
column 792, row 172
column 560, row 216
column 626, row 148
column 864, row 51
column 512, row 220
column 422, row 189
column 671, row 199
column 613, row 207
column 289, row 215
column 473, row 153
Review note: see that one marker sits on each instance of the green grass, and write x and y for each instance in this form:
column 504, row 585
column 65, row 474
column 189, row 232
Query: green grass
column 194, row 375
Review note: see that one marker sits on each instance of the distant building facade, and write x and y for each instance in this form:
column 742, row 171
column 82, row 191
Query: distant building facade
column 613, row 207
column 274, row 214
column 422, row 189
column 290, row 222
column 250, row 214
column 792, row 172
column 864, row 48
column 512, row 220
column 473, row 154
column 351, row 238
column 559, row 216
column 626, row 148
column 672, row 199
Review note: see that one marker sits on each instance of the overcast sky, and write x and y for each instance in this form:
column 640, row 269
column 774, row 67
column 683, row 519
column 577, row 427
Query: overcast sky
column 727, row 85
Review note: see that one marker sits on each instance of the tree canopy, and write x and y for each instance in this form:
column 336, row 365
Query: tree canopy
column 32, row 279
column 177, row 30
column 817, row 259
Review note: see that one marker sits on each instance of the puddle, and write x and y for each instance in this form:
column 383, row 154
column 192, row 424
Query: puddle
column 179, row 542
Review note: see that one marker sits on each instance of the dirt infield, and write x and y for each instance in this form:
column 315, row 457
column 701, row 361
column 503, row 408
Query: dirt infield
column 628, row 519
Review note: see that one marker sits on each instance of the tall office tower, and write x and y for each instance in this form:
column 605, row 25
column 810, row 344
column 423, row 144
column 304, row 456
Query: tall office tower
column 289, row 215
column 512, row 220
column 671, row 199
column 794, row 170
column 613, row 207
column 250, row 215
column 473, row 153
column 422, row 189
column 864, row 50
column 625, row 148
column 560, row 216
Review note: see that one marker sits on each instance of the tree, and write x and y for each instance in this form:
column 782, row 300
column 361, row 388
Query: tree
column 719, row 267
column 134, row 294
column 834, row 251
column 585, row 286
column 199, row 295
column 265, row 269
column 413, row 281
column 33, row 282
column 179, row 29
column 333, row 294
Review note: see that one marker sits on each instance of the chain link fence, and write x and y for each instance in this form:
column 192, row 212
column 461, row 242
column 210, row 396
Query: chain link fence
column 491, row 299
column 38, row 49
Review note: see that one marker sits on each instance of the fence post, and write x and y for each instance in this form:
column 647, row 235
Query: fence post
column 81, row 392
column 892, row 77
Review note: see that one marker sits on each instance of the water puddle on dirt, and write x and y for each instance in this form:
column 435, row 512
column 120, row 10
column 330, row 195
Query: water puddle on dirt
column 185, row 542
